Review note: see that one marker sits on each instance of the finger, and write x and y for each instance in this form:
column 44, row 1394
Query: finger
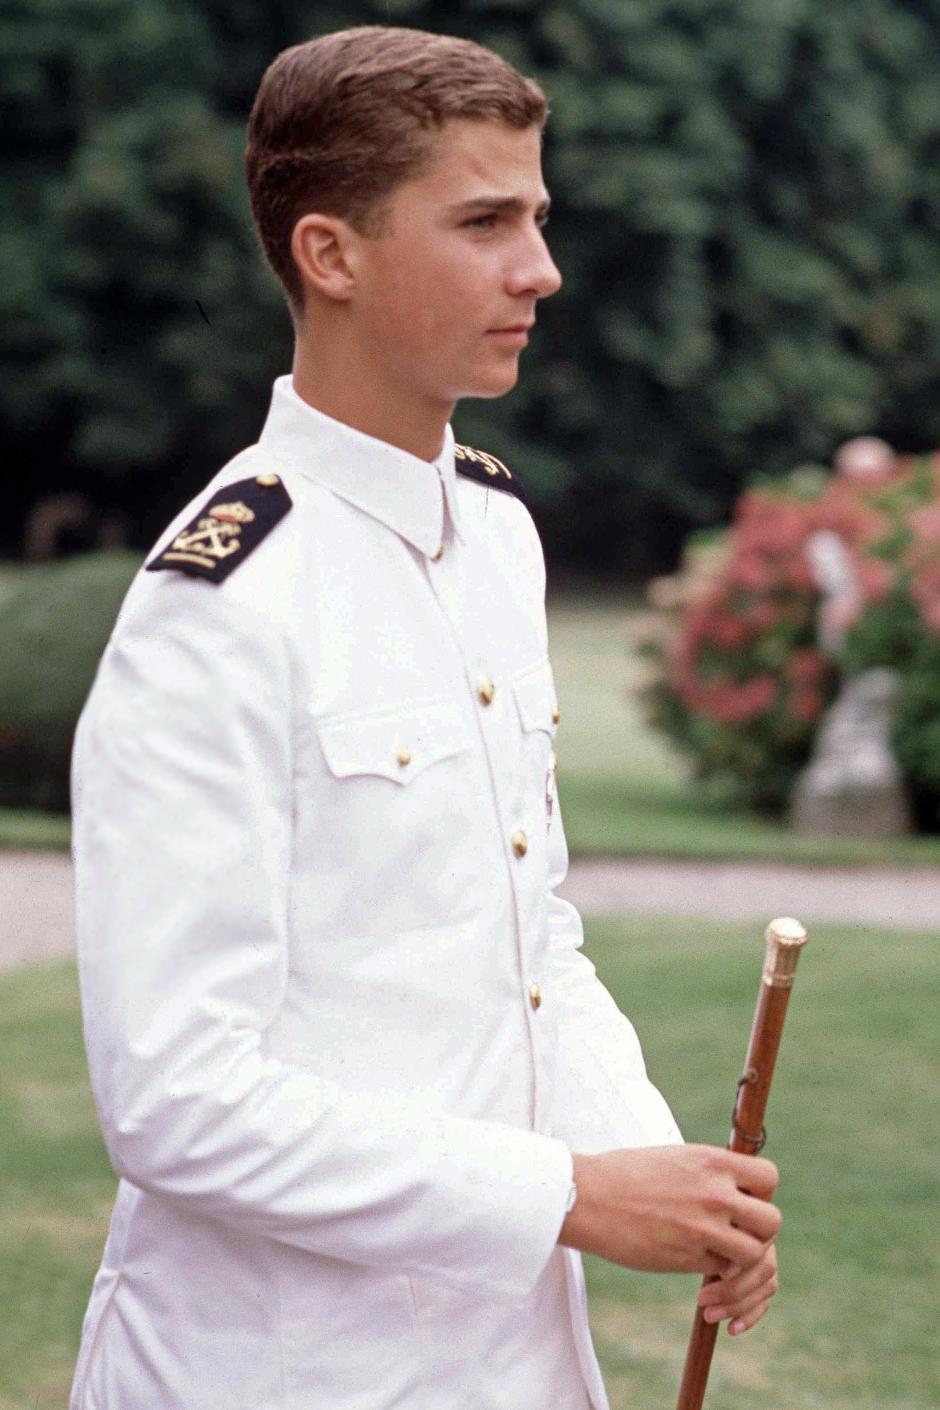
column 759, row 1218
column 713, row 1267
column 741, row 1306
column 753, row 1173
column 750, row 1319
column 736, row 1245
column 731, row 1287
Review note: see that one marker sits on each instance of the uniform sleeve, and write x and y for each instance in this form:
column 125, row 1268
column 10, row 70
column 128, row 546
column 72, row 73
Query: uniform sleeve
column 603, row 1097
column 182, row 791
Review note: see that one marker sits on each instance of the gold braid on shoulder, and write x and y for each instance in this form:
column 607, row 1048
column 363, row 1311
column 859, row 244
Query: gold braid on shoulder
column 479, row 465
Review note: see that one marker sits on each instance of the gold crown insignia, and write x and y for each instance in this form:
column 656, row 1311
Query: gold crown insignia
column 237, row 513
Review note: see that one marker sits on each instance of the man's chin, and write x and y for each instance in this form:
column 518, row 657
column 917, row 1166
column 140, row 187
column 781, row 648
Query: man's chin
column 496, row 383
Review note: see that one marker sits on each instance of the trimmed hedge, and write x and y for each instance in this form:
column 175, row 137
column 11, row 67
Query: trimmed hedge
column 54, row 625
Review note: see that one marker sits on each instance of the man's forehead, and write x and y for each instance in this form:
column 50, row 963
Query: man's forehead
column 479, row 160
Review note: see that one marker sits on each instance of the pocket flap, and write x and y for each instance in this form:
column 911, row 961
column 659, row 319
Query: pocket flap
column 534, row 689
column 397, row 743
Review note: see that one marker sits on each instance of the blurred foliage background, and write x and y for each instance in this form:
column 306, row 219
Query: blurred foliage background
column 747, row 198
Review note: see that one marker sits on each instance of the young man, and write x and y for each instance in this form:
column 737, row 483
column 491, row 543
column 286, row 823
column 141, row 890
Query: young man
column 366, row 1096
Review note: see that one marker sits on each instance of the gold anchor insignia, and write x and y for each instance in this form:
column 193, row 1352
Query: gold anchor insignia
column 214, row 537
column 227, row 529
column 491, row 465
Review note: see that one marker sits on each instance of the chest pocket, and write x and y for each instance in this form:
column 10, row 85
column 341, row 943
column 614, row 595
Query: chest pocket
column 534, row 690
column 398, row 743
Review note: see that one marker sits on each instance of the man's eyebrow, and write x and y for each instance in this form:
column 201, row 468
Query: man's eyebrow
column 513, row 205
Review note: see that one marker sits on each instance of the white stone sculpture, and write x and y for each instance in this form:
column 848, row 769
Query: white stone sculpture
column 853, row 785
column 840, row 594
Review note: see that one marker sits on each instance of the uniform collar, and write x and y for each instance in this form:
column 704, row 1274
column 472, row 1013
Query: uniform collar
column 389, row 484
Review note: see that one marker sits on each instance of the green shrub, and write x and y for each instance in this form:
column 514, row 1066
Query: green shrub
column 739, row 681
column 54, row 623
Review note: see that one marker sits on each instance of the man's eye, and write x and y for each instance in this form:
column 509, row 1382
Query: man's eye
column 480, row 222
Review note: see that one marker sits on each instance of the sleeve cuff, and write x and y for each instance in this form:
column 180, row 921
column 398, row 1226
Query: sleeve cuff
column 513, row 1193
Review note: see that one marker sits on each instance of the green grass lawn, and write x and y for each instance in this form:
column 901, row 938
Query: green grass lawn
column 853, row 1127
column 20, row 829
column 625, row 792
column 852, row 1122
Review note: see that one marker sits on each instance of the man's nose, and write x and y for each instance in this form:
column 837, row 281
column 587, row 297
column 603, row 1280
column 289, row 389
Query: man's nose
column 536, row 273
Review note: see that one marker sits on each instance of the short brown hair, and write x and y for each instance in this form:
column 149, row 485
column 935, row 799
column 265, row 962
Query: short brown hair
column 342, row 120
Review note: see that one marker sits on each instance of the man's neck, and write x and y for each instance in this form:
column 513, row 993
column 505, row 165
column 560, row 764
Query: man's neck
column 341, row 388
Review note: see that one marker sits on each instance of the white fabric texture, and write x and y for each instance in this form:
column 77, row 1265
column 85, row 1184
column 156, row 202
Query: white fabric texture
column 343, row 1126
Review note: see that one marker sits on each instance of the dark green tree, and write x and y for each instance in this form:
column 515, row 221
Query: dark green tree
column 747, row 198
column 133, row 295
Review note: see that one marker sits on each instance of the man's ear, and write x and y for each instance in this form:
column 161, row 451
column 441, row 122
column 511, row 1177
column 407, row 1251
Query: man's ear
column 320, row 246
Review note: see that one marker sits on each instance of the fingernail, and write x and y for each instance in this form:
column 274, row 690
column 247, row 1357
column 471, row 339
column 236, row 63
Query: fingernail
column 712, row 1314
column 737, row 1326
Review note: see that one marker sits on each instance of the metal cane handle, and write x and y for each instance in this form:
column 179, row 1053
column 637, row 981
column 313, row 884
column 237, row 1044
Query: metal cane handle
column 785, row 939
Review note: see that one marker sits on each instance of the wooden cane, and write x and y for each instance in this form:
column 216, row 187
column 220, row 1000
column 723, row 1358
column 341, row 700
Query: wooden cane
column 785, row 939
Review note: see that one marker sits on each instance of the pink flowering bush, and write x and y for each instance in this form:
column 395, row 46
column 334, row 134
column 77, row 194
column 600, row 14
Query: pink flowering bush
column 738, row 677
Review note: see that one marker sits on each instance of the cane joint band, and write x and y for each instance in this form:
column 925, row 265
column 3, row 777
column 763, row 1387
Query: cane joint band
column 748, row 1078
column 758, row 1142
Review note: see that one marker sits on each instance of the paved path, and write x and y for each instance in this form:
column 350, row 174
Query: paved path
column 36, row 913
column 908, row 899
column 36, row 921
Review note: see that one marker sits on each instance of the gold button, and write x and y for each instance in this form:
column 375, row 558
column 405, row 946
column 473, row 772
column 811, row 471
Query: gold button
column 268, row 482
column 486, row 690
column 520, row 843
column 535, row 996
column 403, row 755
column 556, row 714
column 438, row 555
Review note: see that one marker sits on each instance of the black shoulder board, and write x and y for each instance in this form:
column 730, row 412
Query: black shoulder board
column 224, row 532
column 478, row 465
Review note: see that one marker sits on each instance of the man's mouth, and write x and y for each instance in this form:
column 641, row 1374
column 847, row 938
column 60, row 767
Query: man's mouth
column 516, row 334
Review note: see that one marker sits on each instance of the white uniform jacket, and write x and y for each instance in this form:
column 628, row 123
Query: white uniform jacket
column 341, row 1037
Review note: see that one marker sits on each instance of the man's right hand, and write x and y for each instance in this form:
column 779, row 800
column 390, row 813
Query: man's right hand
column 673, row 1209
